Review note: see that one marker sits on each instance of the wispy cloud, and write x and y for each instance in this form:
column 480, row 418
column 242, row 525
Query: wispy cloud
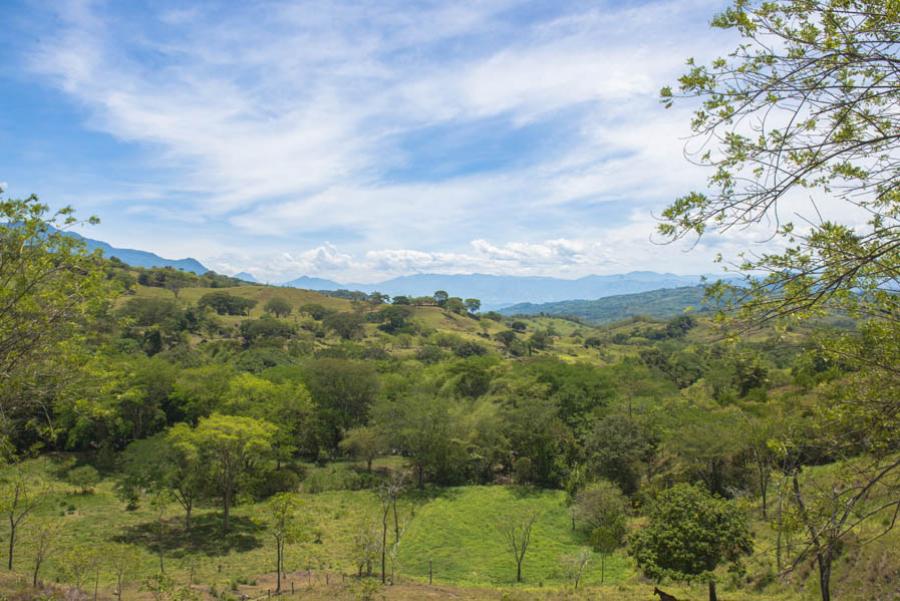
column 285, row 124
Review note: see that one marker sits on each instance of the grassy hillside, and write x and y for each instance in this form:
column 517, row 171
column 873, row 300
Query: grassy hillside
column 453, row 529
column 457, row 531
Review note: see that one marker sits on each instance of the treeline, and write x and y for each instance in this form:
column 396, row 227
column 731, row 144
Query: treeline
column 166, row 277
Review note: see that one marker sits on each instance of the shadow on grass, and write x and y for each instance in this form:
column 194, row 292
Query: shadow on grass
column 205, row 536
column 526, row 491
column 430, row 493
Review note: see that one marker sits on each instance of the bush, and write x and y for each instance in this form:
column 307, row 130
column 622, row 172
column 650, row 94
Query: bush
column 84, row 478
column 469, row 349
column 334, row 477
column 276, row 481
column 226, row 304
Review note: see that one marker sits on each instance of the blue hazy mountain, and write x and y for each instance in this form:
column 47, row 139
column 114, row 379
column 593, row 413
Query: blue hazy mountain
column 247, row 277
column 141, row 258
column 497, row 291
column 309, row 283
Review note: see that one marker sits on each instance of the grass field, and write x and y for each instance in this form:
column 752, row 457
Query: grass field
column 457, row 532
column 453, row 531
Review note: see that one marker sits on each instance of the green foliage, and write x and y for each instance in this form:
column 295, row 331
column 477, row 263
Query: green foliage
column 267, row 329
column 819, row 83
column 278, row 306
column 347, row 325
column 224, row 303
column 51, row 285
column 342, row 391
column 689, row 534
column 84, row 478
column 234, row 449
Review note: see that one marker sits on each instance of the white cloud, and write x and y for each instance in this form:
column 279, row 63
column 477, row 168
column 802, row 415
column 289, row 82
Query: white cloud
column 288, row 125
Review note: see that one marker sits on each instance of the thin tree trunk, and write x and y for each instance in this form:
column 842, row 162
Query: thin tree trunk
column 778, row 561
column 384, row 528
column 712, row 591
column 824, row 561
column 12, row 541
column 226, row 507
column 37, row 568
column 396, row 522
column 278, row 562
column 519, row 570
column 763, row 491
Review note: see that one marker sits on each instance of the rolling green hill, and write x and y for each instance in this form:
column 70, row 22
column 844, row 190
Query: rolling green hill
column 664, row 303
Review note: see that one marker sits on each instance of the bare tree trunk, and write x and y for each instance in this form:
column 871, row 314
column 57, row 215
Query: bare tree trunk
column 712, row 591
column 824, row 562
column 279, row 552
column 226, row 507
column 12, row 541
column 384, row 529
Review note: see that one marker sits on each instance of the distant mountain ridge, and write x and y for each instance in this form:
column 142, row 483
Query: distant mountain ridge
column 498, row 291
column 664, row 303
column 246, row 276
column 141, row 258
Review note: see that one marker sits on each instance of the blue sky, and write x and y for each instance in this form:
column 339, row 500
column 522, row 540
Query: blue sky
column 360, row 139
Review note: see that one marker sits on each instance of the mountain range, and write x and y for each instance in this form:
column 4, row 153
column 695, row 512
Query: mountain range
column 499, row 291
column 522, row 294
column 141, row 258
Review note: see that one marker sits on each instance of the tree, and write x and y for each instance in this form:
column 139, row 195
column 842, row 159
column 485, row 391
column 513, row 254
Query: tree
column 316, row 311
column 440, row 297
column 394, row 318
column 267, row 329
column 601, row 509
column 284, row 524
column 226, row 304
column 278, row 306
column 855, row 423
column 576, row 564
column 806, row 106
column 49, row 284
column 342, row 392
column 20, row 495
column 516, row 532
column 347, row 325
column 364, row 442
column 44, row 537
column 426, row 430
column 232, row 447
column 689, row 533
column 287, row 405
column 79, row 563
column 125, row 562
column 366, row 545
column 473, row 305
column 162, row 462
